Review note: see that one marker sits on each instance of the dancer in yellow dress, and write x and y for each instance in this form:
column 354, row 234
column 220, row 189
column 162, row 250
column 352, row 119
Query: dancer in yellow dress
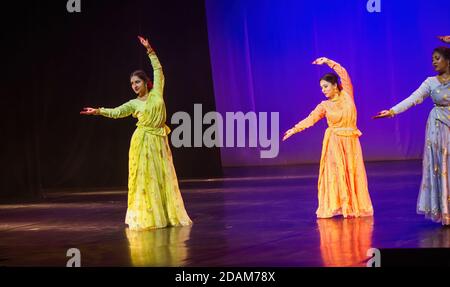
column 342, row 178
column 154, row 198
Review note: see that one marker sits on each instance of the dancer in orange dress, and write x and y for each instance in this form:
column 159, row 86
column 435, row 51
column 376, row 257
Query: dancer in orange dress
column 342, row 178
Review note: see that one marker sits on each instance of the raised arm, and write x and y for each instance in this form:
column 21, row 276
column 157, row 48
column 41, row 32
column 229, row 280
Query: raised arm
column 416, row 98
column 317, row 114
column 158, row 76
column 341, row 71
column 343, row 74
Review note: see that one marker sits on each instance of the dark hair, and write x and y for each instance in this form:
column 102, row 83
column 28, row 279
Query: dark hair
column 333, row 79
column 444, row 51
column 143, row 76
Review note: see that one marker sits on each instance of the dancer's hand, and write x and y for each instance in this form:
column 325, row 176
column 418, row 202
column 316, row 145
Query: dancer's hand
column 288, row 134
column 445, row 39
column 145, row 43
column 89, row 111
column 320, row 61
column 384, row 114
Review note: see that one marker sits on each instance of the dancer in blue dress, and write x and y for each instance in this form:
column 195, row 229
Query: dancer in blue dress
column 434, row 196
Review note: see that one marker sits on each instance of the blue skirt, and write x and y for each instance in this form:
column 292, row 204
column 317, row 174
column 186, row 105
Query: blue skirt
column 434, row 198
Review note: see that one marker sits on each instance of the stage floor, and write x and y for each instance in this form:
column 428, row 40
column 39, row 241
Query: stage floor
column 251, row 217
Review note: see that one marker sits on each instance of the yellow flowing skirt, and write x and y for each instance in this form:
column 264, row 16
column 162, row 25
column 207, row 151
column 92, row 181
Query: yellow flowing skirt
column 154, row 198
column 342, row 178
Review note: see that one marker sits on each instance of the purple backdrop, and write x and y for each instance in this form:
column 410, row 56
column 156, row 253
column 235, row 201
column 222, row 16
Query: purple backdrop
column 262, row 50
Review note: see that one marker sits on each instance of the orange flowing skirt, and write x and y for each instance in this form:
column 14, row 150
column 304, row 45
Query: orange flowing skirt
column 342, row 178
column 345, row 242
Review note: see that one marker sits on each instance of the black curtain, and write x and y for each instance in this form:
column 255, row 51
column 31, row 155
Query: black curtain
column 58, row 62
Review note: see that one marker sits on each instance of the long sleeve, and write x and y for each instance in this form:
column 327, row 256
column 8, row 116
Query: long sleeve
column 158, row 75
column 416, row 98
column 120, row 112
column 343, row 74
column 317, row 114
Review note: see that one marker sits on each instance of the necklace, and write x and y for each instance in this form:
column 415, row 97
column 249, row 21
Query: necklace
column 444, row 79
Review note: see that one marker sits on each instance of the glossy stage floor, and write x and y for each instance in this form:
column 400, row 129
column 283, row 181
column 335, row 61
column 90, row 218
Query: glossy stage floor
column 259, row 217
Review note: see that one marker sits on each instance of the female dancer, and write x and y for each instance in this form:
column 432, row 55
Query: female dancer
column 434, row 200
column 342, row 178
column 154, row 199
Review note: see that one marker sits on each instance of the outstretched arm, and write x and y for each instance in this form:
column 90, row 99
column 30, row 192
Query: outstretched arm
column 120, row 112
column 341, row 71
column 158, row 75
column 416, row 98
column 317, row 114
